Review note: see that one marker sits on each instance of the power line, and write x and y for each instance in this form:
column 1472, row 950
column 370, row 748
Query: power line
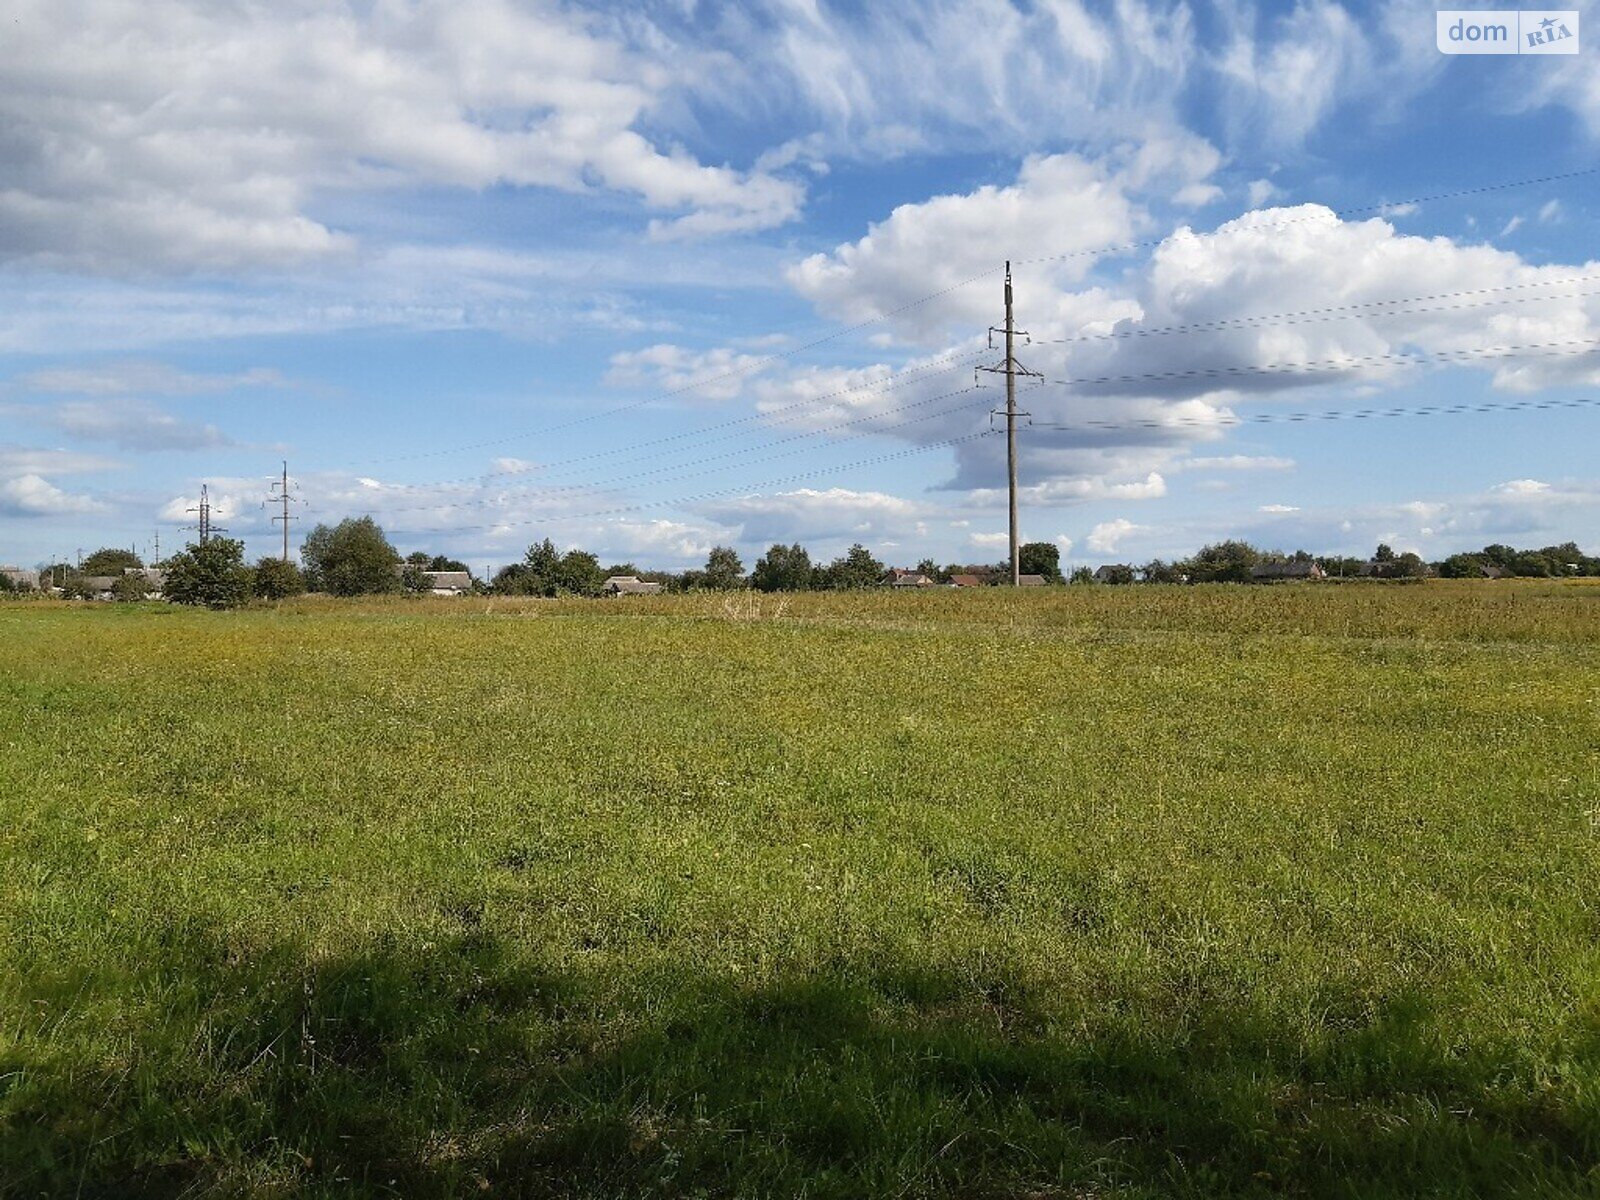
column 1419, row 411
column 1337, row 312
column 1341, row 312
column 1260, row 226
column 1218, row 421
column 1334, row 364
column 662, row 474
column 925, row 370
column 537, row 492
column 694, row 385
column 760, row 363
column 918, row 374
column 279, row 494
column 644, row 506
column 1230, row 420
column 203, row 525
column 1010, row 368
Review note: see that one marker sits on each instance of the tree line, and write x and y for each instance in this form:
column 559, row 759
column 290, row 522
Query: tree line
column 356, row 558
column 1236, row 562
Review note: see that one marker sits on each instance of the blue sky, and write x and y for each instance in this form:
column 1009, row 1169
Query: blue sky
column 649, row 278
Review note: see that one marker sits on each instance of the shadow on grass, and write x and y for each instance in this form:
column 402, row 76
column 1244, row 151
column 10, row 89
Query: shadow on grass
column 460, row 1070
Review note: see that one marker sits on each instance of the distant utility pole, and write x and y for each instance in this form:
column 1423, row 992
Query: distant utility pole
column 1011, row 368
column 203, row 526
column 280, row 494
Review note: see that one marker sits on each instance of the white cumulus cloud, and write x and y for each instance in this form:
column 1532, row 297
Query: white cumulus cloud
column 1105, row 537
column 185, row 134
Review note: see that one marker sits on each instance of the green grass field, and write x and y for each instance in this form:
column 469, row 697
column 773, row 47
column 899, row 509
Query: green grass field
column 1100, row 892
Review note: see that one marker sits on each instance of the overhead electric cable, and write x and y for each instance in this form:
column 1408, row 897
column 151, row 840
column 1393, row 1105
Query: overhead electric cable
column 909, row 305
column 918, row 374
column 1232, row 420
column 1341, row 312
column 1263, row 226
column 557, row 490
column 645, row 506
column 1335, row 364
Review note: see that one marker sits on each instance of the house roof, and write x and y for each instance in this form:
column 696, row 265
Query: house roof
column 460, row 580
column 1030, row 580
column 99, row 583
column 21, row 578
column 1293, row 569
column 630, row 585
column 965, row 581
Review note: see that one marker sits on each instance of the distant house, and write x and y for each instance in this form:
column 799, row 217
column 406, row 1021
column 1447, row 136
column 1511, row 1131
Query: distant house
column 901, row 577
column 27, row 581
column 1272, row 572
column 967, row 581
column 99, row 587
column 155, row 581
column 1114, row 573
column 1490, row 571
column 629, row 585
column 1030, row 581
column 448, row 583
column 440, row 583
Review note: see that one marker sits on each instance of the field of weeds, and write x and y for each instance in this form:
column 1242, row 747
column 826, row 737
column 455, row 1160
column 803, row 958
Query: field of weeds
column 1085, row 892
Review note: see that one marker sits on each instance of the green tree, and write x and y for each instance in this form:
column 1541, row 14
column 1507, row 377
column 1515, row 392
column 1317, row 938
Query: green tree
column 278, row 580
column 414, row 577
column 1384, row 553
column 1339, row 566
column 512, row 580
column 130, row 588
column 579, row 572
column 1461, row 566
column 353, row 558
column 1500, row 555
column 1082, row 575
column 212, row 575
column 1408, row 566
column 536, row 574
column 1223, row 562
column 110, row 561
column 782, row 569
column 855, row 568
column 545, row 571
column 1040, row 558
column 723, row 570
